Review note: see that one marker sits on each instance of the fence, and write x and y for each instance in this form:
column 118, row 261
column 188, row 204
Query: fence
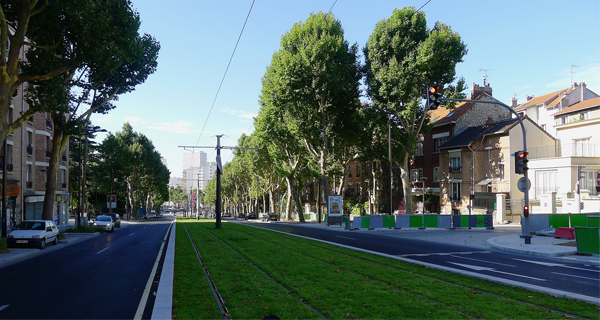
column 422, row 221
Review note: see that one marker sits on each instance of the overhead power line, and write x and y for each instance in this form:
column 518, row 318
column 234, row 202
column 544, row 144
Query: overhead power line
column 225, row 74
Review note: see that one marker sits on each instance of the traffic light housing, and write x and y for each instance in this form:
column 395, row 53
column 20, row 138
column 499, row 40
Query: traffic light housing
column 433, row 97
column 521, row 162
column 526, row 211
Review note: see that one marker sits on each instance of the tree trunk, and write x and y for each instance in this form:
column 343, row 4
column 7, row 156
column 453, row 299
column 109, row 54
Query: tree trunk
column 58, row 145
column 405, row 177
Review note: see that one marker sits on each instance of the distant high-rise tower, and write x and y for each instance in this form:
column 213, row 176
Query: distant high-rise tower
column 193, row 159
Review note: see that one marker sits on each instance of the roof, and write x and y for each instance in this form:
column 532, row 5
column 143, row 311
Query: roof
column 549, row 99
column 582, row 105
column 471, row 134
column 443, row 115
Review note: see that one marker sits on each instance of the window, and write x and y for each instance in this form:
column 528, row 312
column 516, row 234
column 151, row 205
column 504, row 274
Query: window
column 349, row 171
column 436, row 174
column 416, row 175
column 358, row 170
column 489, row 155
column 351, row 188
column 419, row 149
column 455, row 164
column 501, row 171
column 439, row 142
column 581, row 147
column 455, row 191
column 545, row 182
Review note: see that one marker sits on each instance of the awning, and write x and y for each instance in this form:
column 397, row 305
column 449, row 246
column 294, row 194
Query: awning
column 484, row 182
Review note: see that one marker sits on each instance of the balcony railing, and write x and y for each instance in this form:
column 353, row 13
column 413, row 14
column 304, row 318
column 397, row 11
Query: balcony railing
column 565, row 150
column 29, row 149
column 454, row 169
column 9, row 167
column 29, row 184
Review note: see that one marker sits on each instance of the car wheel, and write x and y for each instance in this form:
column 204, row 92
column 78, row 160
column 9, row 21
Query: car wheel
column 55, row 242
column 43, row 244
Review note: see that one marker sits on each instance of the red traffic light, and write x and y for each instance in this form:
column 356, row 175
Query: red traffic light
column 526, row 211
column 522, row 154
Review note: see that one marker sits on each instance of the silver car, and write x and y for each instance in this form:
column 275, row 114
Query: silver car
column 105, row 221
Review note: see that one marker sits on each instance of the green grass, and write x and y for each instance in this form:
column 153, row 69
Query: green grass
column 343, row 283
column 85, row 229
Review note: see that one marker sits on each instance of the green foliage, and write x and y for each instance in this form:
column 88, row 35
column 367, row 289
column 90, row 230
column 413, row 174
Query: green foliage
column 3, row 246
column 85, row 229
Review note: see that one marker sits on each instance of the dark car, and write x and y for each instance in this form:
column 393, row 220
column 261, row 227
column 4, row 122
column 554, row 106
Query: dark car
column 116, row 219
column 251, row 215
column 270, row 217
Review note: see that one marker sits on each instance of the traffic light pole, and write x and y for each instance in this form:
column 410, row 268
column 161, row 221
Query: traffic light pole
column 525, row 223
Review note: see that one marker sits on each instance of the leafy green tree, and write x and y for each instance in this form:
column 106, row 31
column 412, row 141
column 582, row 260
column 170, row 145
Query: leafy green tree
column 315, row 74
column 177, row 195
column 139, row 166
column 402, row 59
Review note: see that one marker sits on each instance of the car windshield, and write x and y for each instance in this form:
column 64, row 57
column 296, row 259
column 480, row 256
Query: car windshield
column 103, row 218
column 30, row 225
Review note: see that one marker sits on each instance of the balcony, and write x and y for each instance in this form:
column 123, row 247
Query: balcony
column 29, row 184
column 29, row 149
column 49, row 124
column 565, row 150
column 9, row 167
column 454, row 169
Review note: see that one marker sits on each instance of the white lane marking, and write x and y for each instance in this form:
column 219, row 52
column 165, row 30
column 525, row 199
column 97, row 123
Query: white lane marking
column 4, row 307
column 551, row 264
column 440, row 253
column 99, row 252
column 502, row 264
column 346, row 238
column 479, row 268
column 570, row 275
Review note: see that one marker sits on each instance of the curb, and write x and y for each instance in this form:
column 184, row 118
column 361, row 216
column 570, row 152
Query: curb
column 537, row 253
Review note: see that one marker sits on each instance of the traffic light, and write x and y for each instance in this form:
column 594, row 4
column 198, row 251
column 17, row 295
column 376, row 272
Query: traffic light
column 433, row 97
column 521, row 162
column 526, row 211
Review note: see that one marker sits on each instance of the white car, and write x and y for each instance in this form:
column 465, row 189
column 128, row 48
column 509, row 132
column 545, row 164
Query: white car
column 105, row 221
column 33, row 232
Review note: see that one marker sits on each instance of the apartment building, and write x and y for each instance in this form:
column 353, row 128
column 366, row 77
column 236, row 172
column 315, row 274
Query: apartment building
column 28, row 155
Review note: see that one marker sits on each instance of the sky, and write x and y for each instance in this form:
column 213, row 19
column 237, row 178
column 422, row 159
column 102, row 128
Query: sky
column 525, row 47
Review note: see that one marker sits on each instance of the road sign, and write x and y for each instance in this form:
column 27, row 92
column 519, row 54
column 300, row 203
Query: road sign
column 524, row 184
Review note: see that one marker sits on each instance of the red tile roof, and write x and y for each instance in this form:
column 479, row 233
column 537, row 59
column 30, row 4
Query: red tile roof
column 580, row 106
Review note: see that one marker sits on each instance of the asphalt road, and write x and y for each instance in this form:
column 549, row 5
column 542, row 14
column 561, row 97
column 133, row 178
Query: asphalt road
column 101, row 278
column 520, row 270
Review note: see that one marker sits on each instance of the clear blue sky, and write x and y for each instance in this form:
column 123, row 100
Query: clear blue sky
column 528, row 47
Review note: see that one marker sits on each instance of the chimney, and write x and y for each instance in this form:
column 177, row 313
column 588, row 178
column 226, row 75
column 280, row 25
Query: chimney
column 582, row 88
column 513, row 102
column 477, row 89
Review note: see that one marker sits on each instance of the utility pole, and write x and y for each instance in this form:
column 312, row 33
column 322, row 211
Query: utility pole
column 219, row 172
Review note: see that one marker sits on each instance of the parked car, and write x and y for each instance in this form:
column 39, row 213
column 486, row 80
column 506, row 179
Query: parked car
column 33, row 232
column 270, row 217
column 105, row 221
column 251, row 215
column 116, row 217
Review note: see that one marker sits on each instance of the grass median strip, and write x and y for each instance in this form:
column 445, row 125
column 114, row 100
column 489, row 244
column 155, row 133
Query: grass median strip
column 248, row 293
column 343, row 283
